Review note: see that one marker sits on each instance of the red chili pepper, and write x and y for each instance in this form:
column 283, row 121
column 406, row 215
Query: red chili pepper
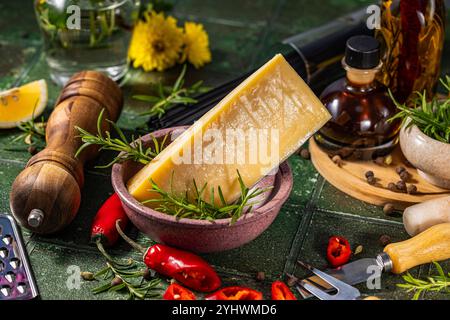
column 185, row 267
column 235, row 293
column 104, row 225
column 338, row 251
column 280, row 291
column 177, row 292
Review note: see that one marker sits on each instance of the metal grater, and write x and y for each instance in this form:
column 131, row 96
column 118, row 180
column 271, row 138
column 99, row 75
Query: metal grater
column 16, row 278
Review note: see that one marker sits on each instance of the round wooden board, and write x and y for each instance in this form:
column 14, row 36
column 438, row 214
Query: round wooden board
column 350, row 178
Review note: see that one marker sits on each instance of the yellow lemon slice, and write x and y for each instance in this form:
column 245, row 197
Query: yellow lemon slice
column 23, row 103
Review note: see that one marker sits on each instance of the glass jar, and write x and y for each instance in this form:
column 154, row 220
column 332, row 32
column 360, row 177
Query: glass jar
column 412, row 34
column 86, row 35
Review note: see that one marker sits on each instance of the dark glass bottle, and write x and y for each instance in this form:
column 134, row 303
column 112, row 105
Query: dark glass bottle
column 360, row 106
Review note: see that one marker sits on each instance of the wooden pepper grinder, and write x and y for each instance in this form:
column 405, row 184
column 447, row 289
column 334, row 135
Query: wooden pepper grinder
column 45, row 196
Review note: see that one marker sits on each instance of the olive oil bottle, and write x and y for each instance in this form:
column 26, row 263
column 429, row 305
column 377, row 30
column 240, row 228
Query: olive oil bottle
column 412, row 36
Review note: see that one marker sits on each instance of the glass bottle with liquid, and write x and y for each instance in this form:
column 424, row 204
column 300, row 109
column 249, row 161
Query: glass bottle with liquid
column 412, row 35
column 360, row 106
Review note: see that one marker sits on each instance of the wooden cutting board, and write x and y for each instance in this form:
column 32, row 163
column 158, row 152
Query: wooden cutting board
column 350, row 178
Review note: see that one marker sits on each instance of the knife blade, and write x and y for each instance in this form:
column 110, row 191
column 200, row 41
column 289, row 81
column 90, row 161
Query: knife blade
column 351, row 273
column 431, row 245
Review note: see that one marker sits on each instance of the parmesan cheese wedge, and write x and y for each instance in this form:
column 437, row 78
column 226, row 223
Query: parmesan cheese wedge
column 252, row 130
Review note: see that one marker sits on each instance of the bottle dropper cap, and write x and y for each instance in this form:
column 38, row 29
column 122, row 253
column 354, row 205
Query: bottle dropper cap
column 362, row 52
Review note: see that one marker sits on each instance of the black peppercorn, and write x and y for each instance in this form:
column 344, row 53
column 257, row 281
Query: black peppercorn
column 399, row 170
column 304, row 153
column 260, row 276
column 32, row 150
column 147, row 275
column 369, row 174
column 405, row 176
column 371, row 180
column 392, row 186
column 411, row 189
column 401, row 185
column 385, row 240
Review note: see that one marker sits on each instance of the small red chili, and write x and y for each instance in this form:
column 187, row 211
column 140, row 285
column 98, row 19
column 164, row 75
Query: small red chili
column 103, row 228
column 235, row 293
column 177, row 292
column 338, row 251
column 185, row 267
column 280, row 291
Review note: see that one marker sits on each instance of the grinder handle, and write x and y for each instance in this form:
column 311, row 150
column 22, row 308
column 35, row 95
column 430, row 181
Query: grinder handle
column 45, row 196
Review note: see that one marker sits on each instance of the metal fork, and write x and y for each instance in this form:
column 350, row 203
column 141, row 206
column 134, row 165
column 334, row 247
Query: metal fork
column 344, row 290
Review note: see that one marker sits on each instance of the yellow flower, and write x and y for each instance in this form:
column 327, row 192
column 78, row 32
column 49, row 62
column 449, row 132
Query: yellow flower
column 156, row 42
column 196, row 44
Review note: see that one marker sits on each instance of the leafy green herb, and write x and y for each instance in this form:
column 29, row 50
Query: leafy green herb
column 435, row 283
column 33, row 134
column 201, row 208
column 32, row 131
column 169, row 96
column 131, row 275
column 128, row 151
column 433, row 117
column 102, row 22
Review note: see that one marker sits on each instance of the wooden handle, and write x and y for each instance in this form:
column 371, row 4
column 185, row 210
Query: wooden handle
column 431, row 245
column 371, row 298
column 46, row 195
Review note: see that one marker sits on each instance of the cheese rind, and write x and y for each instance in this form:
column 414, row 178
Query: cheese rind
column 253, row 129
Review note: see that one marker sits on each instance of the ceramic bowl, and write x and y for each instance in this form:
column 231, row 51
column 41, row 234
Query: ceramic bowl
column 431, row 157
column 199, row 235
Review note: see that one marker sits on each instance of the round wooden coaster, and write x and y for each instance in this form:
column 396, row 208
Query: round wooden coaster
column 350, row 178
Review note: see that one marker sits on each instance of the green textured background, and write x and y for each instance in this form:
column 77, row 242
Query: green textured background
column 243, row 34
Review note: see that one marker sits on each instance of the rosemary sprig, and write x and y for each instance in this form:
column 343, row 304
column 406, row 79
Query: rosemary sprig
column 31, row 130
column 433, row 117
column 126, row 276
column 446, row 84
column 201, row 208
column 169, row 96
column 102, row 22
column 33, row 133
column 129, row 151
column 435, row 283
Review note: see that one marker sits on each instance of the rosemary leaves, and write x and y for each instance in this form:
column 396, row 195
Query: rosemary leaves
column 169, row 96
column 126, row 276
column 205, row 209
column 128, row 151
column 32, row 136
column 435, row 283
column 433, row 117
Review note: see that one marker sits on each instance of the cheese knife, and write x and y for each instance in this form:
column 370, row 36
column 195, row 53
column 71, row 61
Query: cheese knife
column 431, row 245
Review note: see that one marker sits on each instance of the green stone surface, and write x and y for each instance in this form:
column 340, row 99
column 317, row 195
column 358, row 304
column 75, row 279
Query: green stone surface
column 243, row 35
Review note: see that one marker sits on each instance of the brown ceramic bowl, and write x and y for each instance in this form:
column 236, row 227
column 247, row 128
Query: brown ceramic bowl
column 200, row 235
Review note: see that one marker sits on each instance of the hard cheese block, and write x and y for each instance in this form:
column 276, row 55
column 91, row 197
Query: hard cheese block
column 252, row 130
